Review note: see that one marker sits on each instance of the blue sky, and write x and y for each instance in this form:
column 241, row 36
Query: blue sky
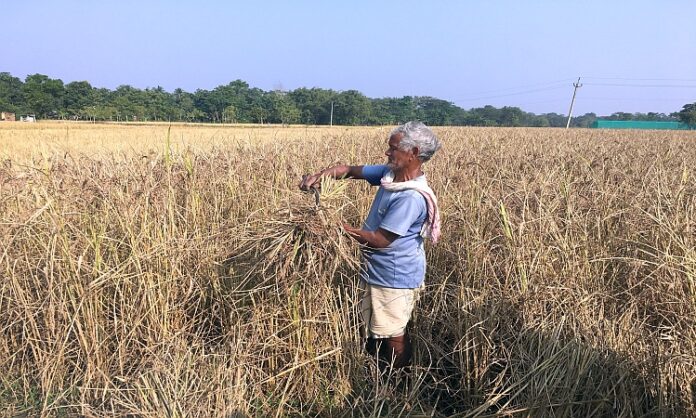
column 634, row 56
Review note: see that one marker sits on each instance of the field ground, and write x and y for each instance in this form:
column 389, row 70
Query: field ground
column 22, row 140
column 160, row 271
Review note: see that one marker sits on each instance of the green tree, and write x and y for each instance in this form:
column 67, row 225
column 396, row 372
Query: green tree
column 159, row 104
column 433, row 111
column 185, row 107
column 540, row 122
column 282, row 109
column 229, row 114
column 43, row 95
column 621, row 116
column 474, row 119
column 351, row 108
column 314, row 104
column 129, row 103
column 78, row 95
column 556, row 120
column 105, row 112
column 202, row 102
column 234, row 94
column 11, row 98
column 238, row 102
column 584, row 121
column 510, row 116
column 257, row 105
column 485, row 116
column 381, row 114
column 393, row 111
column 259, row 114
column 688, row 114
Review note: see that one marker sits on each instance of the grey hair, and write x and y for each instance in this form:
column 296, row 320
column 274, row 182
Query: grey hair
column 416, row 134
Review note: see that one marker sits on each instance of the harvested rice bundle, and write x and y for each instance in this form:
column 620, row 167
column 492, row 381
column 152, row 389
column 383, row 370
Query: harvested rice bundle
column 302, row 241
column 292, row 259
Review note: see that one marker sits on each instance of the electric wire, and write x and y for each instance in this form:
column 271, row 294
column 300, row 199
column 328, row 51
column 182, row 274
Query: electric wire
column 641, row 79
column 663, row 99
column 622, row 82
column 511, row 94
column 528, row 86
column 642, row 85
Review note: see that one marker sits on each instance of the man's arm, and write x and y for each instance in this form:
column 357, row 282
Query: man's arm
column 403, row 211
column 336, row 172
column 381, row 238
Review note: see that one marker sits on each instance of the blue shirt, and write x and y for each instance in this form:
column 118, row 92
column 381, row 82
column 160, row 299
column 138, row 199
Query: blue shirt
column 402, row 264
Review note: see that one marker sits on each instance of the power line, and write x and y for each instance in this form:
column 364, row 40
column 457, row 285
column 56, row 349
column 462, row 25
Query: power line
column 555, row 85
column 663, row 99
column 625, row 82
column 644, row 85
column 641, row 79
column 522, row 87
column 511, row 94
column 559, row 100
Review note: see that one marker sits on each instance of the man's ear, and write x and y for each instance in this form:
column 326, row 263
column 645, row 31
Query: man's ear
column 415, row 151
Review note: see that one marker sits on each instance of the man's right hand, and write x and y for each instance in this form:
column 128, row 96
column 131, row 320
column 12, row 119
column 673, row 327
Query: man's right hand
column 310, row 181
column 342, row 171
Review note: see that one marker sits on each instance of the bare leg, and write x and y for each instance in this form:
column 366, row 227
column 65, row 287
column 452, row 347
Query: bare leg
column 399, row 351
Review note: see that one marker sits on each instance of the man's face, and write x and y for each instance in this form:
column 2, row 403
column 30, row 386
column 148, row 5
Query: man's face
column 397, row 159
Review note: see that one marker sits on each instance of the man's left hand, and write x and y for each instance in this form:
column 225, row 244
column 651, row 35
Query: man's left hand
column 376, row 239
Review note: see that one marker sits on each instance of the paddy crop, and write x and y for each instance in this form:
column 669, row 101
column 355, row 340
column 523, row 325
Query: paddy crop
column 179, row 271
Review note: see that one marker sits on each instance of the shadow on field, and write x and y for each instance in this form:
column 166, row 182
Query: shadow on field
column 476, row 354
column 486, row 360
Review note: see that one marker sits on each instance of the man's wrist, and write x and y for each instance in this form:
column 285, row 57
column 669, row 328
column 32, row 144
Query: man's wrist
column 336, row 172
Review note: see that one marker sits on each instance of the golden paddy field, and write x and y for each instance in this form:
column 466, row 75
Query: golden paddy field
column 151, row 270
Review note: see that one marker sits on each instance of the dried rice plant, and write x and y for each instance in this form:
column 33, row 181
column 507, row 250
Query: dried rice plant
column 184, row 274
column 302, row 240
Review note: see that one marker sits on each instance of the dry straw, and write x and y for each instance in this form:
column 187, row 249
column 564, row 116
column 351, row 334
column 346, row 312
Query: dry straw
column 191, row 277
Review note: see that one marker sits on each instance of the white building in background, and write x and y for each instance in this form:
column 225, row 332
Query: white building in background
column 28, row 118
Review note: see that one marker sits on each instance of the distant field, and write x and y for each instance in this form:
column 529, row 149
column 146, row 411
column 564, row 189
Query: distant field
column 20, row 140
column 178, row 271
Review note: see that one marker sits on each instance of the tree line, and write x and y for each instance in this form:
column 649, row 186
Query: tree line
column 237, row 102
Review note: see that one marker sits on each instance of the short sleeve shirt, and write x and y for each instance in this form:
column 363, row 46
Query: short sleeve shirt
column 402, row 264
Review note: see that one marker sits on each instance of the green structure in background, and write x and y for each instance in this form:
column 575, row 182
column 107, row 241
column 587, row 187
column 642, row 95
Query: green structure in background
column 640, row 124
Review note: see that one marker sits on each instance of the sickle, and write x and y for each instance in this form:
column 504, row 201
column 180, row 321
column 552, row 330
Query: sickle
column 314, row 190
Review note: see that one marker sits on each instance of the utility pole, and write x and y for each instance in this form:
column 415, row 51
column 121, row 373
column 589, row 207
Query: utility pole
column 572, row 102
column 331, row 119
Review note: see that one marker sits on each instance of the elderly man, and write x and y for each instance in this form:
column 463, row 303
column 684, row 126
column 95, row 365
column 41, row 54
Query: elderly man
column 403, row 212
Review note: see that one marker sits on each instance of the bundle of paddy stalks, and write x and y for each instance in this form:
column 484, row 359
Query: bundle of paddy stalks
column 294, row 302
column 301, row 241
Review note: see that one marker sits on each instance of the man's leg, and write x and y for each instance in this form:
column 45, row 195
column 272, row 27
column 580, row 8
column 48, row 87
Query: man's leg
column 394, row 352
column 399, row 351
column 372, row 345
column 386, row 312
column 377, row 348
